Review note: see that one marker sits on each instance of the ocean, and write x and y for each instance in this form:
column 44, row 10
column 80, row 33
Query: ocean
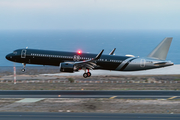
column 134, row 42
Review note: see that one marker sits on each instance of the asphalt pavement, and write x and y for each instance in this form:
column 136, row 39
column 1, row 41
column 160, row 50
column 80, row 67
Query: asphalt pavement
column 90, row 94
column 84, row 116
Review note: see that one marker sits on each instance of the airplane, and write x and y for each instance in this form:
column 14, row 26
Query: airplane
column 74, row 61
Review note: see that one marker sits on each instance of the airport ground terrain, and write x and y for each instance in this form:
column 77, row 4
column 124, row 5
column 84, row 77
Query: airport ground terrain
column 101, row 105
column 43, row 82
column 92, row 105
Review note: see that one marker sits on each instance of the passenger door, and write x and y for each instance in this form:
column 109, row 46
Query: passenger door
column 23, row 53
column 143, row 63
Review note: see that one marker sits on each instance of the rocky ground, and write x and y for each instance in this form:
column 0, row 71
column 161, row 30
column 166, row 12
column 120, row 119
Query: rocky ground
column 93, row 105
column 43, row 82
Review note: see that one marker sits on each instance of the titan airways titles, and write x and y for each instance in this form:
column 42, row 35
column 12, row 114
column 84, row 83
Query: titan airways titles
column 73, row 62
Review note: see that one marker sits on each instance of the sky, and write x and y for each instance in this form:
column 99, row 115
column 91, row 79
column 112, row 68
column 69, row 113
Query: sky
column 89, row 14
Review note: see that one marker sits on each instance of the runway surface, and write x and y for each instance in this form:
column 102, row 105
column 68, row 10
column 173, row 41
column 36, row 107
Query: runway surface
column 90, row 94
column 85, row 116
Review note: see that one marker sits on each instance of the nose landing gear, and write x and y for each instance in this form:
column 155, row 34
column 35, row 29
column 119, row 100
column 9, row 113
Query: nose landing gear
column 88, row 74
column 23, row 69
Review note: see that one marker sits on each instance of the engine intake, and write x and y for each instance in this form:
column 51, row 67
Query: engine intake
column 66, row 67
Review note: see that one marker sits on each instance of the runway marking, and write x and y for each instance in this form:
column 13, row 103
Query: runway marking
column 172, row 97
column 59, row 95
column 161, row 99
column 29, row 100
column 112, row 97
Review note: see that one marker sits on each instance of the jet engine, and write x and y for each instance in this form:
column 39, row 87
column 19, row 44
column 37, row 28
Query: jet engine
column 67, row 67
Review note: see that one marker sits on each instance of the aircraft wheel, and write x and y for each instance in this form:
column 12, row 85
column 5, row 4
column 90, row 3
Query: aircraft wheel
column 85, row 75
column 23, row 70
column 89, row 74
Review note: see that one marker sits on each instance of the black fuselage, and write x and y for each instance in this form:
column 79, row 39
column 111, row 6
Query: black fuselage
column 84, row 60
column 54, row 58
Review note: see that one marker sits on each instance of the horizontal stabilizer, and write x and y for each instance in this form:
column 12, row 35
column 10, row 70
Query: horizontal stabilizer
column 130, row 55
column 161, row 51
column 160, row 63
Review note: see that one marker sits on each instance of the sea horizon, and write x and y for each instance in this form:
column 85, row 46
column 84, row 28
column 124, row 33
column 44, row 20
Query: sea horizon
column 135, row 42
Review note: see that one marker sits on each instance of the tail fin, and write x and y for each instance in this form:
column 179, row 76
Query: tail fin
column 161, row 51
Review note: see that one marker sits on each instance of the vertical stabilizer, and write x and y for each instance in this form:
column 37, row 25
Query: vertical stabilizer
column 160, row 52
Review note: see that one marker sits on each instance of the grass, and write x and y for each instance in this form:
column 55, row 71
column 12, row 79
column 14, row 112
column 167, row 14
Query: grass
column 71, row 80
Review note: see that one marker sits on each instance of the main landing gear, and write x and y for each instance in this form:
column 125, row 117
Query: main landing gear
column 88, row 74
column 23, row 69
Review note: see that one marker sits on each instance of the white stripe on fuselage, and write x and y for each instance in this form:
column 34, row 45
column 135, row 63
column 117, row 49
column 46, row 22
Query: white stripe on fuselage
column 123, row 63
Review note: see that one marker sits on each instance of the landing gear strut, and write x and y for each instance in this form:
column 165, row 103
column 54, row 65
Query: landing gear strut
column 23, row 69
column 88, row 74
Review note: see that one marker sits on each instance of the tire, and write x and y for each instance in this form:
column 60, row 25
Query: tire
column 23, row 70
column 89, row 74
column 85, row 75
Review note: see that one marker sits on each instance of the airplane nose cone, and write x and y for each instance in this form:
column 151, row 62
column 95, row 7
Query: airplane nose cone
column 8, row 57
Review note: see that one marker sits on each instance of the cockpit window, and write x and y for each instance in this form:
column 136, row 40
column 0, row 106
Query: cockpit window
column 15, row 52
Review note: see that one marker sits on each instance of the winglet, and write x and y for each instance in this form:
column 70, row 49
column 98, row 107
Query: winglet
column 112, row 52
column 161, row 51
column 99, row 55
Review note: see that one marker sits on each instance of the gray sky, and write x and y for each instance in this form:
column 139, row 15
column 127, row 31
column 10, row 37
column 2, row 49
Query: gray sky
column 89, row 14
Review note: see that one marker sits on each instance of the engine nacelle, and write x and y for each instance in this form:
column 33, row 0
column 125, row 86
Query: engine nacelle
column 66, row 67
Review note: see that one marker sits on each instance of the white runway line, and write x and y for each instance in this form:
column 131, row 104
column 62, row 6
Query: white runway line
column 20, row 103
column 29, row 100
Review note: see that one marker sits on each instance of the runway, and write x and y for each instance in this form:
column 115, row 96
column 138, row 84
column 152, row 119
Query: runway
column 84, row 116
column 91, row 94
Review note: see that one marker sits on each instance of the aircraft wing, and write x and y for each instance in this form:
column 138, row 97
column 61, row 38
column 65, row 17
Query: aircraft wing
column 90, row 64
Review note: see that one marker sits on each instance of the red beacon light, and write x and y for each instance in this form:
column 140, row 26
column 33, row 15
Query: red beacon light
column 79, row 52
